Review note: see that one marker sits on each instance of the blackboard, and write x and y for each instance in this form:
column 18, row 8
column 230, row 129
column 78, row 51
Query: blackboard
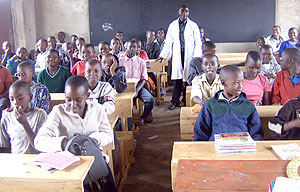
column 223, row 20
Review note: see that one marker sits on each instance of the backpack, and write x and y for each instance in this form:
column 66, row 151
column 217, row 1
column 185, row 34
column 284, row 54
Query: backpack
column 86, row 146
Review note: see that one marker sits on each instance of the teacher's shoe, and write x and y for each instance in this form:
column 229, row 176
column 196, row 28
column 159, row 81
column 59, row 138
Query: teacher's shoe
column 173, row 106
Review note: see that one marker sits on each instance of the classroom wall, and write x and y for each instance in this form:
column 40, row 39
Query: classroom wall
column 72, row 16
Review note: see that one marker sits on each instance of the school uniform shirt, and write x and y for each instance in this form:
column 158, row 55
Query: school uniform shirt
column 192, row 48
column 270, row 68
column 119, row 55
column 118, row 81
column 62, row 123
column 104, row 94
column 286, row 44
column 152, row 50
column 274, row 43
column 135, row 67
column 13, row 64
column 142, row 55
column 41, row 60
column 13, row 135
column 55, row 83
column 5, row 78
column 256, row 88
column 79, row 68
column 41, row 96
column 202, row 89
column 283, row 88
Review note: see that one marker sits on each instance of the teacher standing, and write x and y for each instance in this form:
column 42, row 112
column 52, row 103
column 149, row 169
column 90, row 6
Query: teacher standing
column 183, row 39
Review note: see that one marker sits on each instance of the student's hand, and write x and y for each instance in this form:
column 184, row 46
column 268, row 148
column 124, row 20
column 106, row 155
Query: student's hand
column 15, row 57
column 113, row 67
column 148, row 64
column 159, row 59
column 20, row 115
column 203, row 101
column 64, row 143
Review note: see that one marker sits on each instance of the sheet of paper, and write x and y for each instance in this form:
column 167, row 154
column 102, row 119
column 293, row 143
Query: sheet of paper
column 284, row 184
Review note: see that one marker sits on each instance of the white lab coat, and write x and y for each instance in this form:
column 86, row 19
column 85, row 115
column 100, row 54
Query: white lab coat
column 193, row 47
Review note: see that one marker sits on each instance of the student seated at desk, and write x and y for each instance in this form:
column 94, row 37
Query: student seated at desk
column 78, row 51
column 260, row 42
column 275, row 39
column 103, row 49
column 205, row 86
column 256, row 86
column 115, row 48
column 269, row 67
column 53, row 45
column 54, row 76
column 286, row 123
column 136, row 68
column 113, row 73
column 286, row 85
column 41, row 58
column 195, row 68
column 229, row 110
column 101, row 92
column 40, row 93
column 289, row 43
column 21, row 55
column 150, row 46
column 7, row 48
column 20, row 123
column 77, row 115
column 88, row 52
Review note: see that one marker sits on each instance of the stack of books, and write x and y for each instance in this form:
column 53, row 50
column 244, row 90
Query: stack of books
column 228, row 143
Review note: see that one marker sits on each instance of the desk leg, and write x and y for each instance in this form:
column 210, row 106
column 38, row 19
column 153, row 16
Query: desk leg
column 111, row 162
column 124, row 124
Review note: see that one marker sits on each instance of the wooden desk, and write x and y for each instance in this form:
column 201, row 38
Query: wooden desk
column 131, row 85
column 205, row 150
column 231, row 58
column 124, row 107
column 18, row 175
column 188, row 120
column 227, row 175
column 56, row 98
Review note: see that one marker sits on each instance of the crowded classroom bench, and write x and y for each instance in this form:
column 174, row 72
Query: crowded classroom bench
column 188, row 120
column 205, row 150
column 19, row 174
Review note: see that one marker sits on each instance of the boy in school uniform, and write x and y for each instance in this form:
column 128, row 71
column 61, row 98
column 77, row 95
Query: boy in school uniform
column 41, row 60
column 136, row 68
column 286, row 84
column 120, row 36
column 5, row 81
column 112, row 73
column 21, row 122
column 160, row 38
column 73, row 39
column 54, row 76
column 275, row 39
column 103, row 49
column 78, row 51
column 195, row 68
column 88, row 52
column 286, row 123
column 115, row 48
column 151, row 47
column 260, row 42
column 292, row 42
column 269, row 67
column 101, row 92
column 52, row 44
column 21, row 55
column 76, row 115
column 40, row 94
column 206, row 85
column 7, row 48
column 229, row 110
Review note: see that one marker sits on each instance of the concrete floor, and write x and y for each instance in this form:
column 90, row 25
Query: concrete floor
column 152, row 169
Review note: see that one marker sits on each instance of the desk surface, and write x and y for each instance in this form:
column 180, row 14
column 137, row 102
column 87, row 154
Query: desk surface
column 17, row 174
column 205, row 150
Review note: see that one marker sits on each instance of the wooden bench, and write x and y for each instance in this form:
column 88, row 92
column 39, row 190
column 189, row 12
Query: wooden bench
column 18, row 174
column 227, row 175
column 205, row 150
column 161, row 76
column 188, row 120
column 231, row 58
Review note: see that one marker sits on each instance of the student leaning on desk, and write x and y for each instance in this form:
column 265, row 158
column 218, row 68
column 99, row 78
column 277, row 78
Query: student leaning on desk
column 229, row 110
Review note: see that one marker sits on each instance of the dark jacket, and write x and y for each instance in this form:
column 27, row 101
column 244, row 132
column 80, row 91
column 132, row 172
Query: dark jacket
column 118, row 81
column 219, row 116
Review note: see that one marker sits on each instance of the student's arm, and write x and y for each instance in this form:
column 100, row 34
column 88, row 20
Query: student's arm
column 203, row 125
column 119, row 79
column 197, row 100
column 276, row 99
column 139, row 86
column 282, row 48
column 267, row 90
column 254, row 126
column 104, row 135
column 193, row 70
column 4, row 137
column 196, row 92
column 74, row 70
column 8, row 81
column 4, row 60
column 168, row 43
column 267, row 98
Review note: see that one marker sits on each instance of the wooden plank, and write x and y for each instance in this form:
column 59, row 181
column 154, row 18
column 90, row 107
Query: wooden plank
column 227, row 175
column 56, row 98
column 124, row 104
column 131, row 85
column 205, row 150
column 18, row 174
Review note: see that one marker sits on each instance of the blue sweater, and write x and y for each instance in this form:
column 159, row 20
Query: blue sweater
column 284, row 45
column 219, row 116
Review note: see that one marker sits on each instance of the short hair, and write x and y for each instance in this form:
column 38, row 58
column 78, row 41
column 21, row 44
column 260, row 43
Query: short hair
column 208, row 45
column 19, row 84
column 137, row 40
column 54, row 51
column 227, row 70
column 211, row 55
column 293, row 53
column 254, row 55
column 93, row 61
column 77, row 81
column 73, row 36
column 116, row 39
column 132, row 41
column 52, row 37
column 88, row 45
column 106, row 55
column 104, row 43
column 200, row 27
column 266, row 46
column 277, row 26
column 81, row 39
column 119, row 32
column 21, row 48
column 43, row 40
column 160, row 29
column 26, row 64
column 150, row 31
column 292, row 28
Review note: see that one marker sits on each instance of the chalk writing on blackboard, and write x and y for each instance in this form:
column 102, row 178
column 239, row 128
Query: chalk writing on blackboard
column 107, row 27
